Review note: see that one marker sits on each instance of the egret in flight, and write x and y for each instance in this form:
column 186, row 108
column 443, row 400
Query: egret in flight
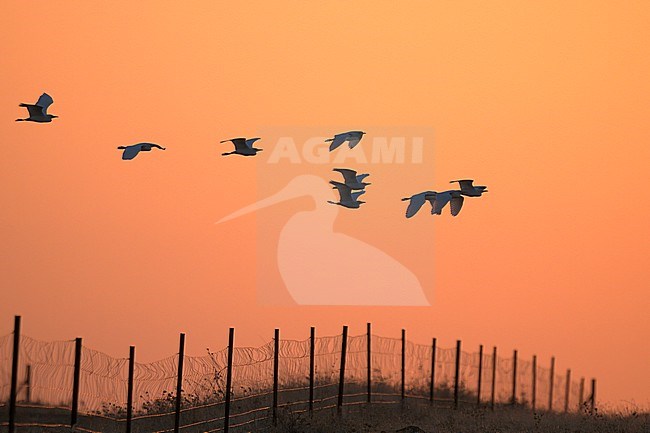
column 38, row 111
column 132, row 151
column 352, row 137
column 417, row 200
column 453, row 197
column 243, row 147
column 467, row 188
column 348, row 199
column 352, row 179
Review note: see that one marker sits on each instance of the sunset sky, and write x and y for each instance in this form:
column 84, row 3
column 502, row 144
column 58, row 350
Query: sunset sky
column 546, row 103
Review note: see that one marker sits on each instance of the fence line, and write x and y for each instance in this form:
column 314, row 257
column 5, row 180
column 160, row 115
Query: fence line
column 67, row 383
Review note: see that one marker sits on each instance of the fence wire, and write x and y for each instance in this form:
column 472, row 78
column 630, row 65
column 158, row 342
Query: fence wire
column 46, row 374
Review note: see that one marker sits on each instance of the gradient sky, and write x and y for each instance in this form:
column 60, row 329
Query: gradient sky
column 544, row 102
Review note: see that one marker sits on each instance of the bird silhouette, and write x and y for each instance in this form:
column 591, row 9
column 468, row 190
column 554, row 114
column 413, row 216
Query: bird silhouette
column 352, row 137
column 417, row 200
column 352, row 179
column 454, row 197
column 38, row 111
column 243, row 147
column 348, row 198
column 132, row 151
column 467, row 188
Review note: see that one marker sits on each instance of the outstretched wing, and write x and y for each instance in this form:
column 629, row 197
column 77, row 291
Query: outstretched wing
column 337, row 141
column 356, row 194
column 240, row 143
column 415, row 204
column 34, row 110
column 353, row 142
column 131, row 151
column 439, row 203
column 344, row 190
column 250, row 141
column 456, row 204
column 361, row 177
column 44, row 101
column 350, row 176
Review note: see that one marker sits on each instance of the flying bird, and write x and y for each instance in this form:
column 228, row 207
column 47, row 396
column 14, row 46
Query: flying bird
column 417, row 200
column 348, row 199
column 352, row 179
column 243, row 146
column 38, row 111
column 132, row 151
column 352, row 137
column 467, row 188
column 453, row 197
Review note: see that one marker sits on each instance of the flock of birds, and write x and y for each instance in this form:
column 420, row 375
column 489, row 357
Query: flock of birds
column 349, row 190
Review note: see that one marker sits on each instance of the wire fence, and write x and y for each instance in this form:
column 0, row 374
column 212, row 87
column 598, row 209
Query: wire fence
column 301, row 376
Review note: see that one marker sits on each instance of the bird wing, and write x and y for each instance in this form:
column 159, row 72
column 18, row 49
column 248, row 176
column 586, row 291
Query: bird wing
column 344, row 190
column 361, row 177
column 356, row 194
column 44, row 101
column 240, row 143
column 337, row 141
column 350, row 176
column 353, row 142
column 415, row 204
column 250, row 141
column 439, row 203
column 34, row 110
column 456, row 204
column 131, row 151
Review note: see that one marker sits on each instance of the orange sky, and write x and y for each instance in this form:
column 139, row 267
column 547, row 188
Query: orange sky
column 544, row 102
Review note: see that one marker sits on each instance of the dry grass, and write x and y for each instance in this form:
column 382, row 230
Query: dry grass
column 394, row 418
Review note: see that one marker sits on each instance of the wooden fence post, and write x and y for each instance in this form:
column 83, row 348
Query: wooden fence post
column 581, row 395
column 432, row 385
column 276, row 368
column 312, row 365
column 28, row 383
column 75, row 384
column 369, row 367
column 179, row 383
column 550, row 389
column 592, row 407
column 567, row 390
column 494, row 376
column 344, row 345
column 457, row 374
column 14, row 376
column 231, row 348
column 129, row 392
column 403, row 390
column 534, row 391
column 480, row 375
column 514, row 378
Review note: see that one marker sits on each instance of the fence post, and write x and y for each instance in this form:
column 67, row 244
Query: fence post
column 312, row 344
column 534, row 391
column 403, row 364
column 369, row 337
column 514, row 378
column 75, row 384
column 494, row 376
column 344, row 346
column 14, row 376
column 567, row 390
column 480, row 375
column 231, row 347
column 433, row 370
column 592, row 408
column 179, row 383
column 276, row 368
column 581, row 395
column 129, row 393
column 457, row 374
column 28, row 383
column 550, row 389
